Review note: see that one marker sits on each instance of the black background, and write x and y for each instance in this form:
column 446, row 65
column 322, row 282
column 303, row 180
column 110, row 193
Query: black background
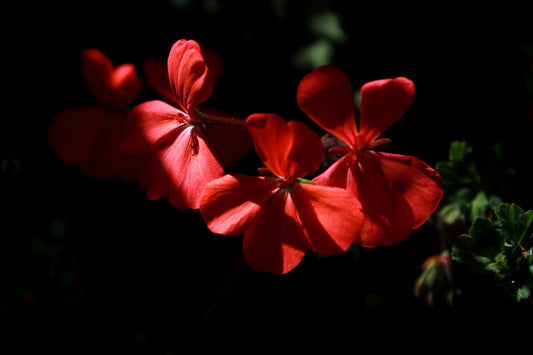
column 148, row 277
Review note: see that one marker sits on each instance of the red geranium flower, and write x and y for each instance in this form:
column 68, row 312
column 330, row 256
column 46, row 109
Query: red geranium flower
column 227, row 136
column 90, row 136
column 178, row 160
column 281, row 214
column 397, row 192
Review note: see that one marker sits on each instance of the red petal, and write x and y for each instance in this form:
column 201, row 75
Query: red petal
column 230, row 204
column 74, row 132
column 339, row 174
column 383, row 102
column 125, row 84
column 148, row 126
column 192, row 165
column 420, row 185
column 331, row 217
column 90, row 138
column 275, row 241
column 288, row 149
column 177, row 161
column 157, row 78
column 97, row 68
column 180, row 170
column 214, row 62
column 189, row 76
column 121, row 165
column 325, row 95
column 109, row 85
column 388, row 216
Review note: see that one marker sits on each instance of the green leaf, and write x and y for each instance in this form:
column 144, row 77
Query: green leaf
column 523, row 293
column 486, row 240
column 328, row 25
column 447, row 172
column 480, row 247
column 451, row 213
column 463, row 251
column 526, row 225
column 457, row 152
column 457, row 209
column 479, row 206
column 515, row 224
column 314, row 55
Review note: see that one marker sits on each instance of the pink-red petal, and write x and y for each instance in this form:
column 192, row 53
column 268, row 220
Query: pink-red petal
column 214, row 62
column 383, row 102
column 149, row 125
column 388, row 216
column 180, row 170
column 189, row 76
column 97, row 68
column 157, row 78
column 177, row 162
column 288, row 149
column 339, row 174
column 275, row 241
column 157, row 74
column 125, row 84
column 331, row 217
column 230, row 204
column 192, row 165
column 325, row 95
column 89, row 137
column 109, row 85
column 420, row 185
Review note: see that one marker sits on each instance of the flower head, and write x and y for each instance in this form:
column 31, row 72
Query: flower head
column 174, row 142
column 397, row 192
column 90, row 136
column 281, row 214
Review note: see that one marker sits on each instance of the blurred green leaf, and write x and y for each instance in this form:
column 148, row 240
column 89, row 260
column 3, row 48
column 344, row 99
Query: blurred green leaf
column 314, row 55
column 479, row 205
column 328, row 25
column 456, row 209
column 458, row 151
column 523, row 293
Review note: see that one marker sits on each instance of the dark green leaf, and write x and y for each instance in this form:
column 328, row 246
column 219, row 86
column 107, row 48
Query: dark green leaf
column 479, row 206
column 451, row 213
column 465, row 251
column 447, row 172
column 523, row 293
column 515, row 224
column 486, row 240
column 457, row 151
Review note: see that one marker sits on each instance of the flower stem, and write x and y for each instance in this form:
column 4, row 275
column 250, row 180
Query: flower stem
column 219, row 118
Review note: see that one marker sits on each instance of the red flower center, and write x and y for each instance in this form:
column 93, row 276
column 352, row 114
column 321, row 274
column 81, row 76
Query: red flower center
column 285, row 183
column 359, row 149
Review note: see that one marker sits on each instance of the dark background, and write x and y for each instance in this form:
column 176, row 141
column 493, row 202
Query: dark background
column 92, row 264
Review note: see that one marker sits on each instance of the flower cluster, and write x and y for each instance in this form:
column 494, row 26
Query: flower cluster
column 178, row 148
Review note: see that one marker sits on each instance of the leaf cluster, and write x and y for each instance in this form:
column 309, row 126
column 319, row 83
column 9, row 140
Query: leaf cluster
column 469, row 185
column 501, row 245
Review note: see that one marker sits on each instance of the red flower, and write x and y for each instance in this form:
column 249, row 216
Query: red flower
column 397, row 192
column 178, row 156
column 227, row 136
column 282, row 215
column 90, row 136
